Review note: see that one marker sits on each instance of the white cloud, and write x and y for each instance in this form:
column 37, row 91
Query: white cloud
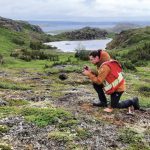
column 73, row 9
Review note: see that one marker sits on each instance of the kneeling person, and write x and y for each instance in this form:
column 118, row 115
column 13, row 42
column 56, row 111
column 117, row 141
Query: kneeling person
column 110, row 81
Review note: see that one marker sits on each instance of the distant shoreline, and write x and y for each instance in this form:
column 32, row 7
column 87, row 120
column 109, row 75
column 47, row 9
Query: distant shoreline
column 56, row 27
column 62, row 26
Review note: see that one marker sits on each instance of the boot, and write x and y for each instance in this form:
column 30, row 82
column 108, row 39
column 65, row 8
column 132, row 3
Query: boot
column 99, row 104
column 135, row 102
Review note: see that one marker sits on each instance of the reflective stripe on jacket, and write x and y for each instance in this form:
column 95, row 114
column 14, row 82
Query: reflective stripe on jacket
column 114, row 79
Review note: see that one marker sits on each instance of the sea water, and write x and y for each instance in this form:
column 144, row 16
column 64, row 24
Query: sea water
column 72, row 46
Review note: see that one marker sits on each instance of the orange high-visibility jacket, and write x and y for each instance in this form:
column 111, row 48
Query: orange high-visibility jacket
column 114, row 78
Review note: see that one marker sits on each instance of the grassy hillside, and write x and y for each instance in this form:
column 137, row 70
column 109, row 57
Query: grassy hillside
column 19, row 35
column 12, row 39
column 132, row 37
column 132, row 47
column 6, row 44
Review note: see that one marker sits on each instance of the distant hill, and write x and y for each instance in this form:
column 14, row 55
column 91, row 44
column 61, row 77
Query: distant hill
column 86, row 33
column 18, row 25
column 122, row 27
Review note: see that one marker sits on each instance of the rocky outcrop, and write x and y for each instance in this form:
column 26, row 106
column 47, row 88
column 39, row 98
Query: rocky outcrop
column 18, row 25
column 35, row 28
column 86, row 33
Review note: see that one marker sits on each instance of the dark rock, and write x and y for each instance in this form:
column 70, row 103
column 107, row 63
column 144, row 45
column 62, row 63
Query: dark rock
column 2, row 102
column 63, row 76
column 37, row 98
column 49, row 73
column 2, row 73
column 35, row 78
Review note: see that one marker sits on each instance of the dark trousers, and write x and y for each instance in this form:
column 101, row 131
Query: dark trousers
column 115, row 97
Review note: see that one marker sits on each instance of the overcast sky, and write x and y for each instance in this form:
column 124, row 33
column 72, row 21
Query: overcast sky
column 76, row 10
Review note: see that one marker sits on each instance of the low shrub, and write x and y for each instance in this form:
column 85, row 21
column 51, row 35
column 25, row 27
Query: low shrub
column 1, row 59
column 60, row 136
column 35, row 45
column 29, row 55
column 83, row 133
column 44, row 116
column 13, row 86
column 140, row 55
column 5, row 111
column 128, row 66
column 129, row 136
column 3, row 128
column 16, row 102
column 139, row 63
column 18, row 41
column 5, row 147
column 145, row 90
column 68, row 123
column 82, row 54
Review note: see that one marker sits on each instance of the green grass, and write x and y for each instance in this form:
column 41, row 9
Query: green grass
column 68, row 123
column 137, row 84
column 133, row 139
column 60, row 136
column 16, row 102
column 6, row 111
column 3, row 128
column 6, row 40
column 13, row 86
column 40, row 116
column 129, row 136
column 4, row 146
column 45, row 116
column 83, row 133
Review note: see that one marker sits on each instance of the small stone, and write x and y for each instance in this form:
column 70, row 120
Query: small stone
column 2, row 102
column 63, row 76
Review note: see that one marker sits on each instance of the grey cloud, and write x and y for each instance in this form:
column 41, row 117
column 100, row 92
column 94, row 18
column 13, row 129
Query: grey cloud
column 63, row 9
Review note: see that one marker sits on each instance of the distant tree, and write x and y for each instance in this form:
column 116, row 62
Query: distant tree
column 1, row 59
column 81, row 52
column 35, row 45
